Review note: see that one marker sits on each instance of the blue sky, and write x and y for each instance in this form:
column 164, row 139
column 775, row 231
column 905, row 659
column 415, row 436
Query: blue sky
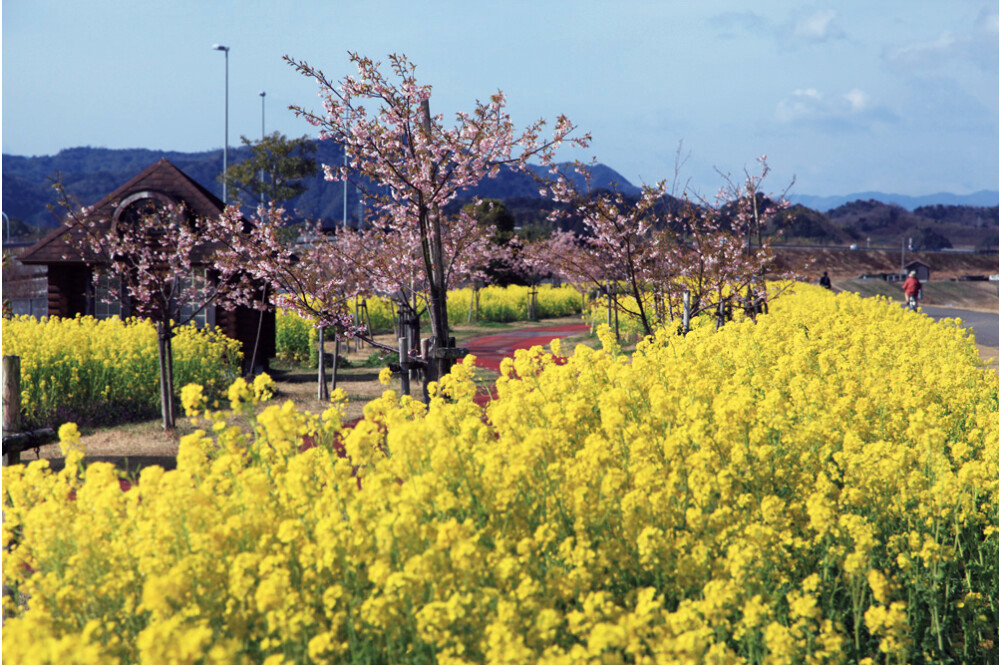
column 898, row 96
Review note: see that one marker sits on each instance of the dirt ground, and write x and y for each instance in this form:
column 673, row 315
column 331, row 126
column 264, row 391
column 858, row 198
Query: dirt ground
column 134, row 446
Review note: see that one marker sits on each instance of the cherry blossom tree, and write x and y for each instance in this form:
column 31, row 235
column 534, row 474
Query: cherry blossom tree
column 626, row 243
column 320, row 276
column 417, row 162
column 660, row 247
column 717, row 260
column 317, row 277
column 157, row 252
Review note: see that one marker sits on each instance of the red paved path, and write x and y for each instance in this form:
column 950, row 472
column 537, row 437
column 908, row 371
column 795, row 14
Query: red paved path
column 491, row 349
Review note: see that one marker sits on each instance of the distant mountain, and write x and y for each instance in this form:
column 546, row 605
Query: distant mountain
column 90, row 173
column 927, row 227
column 934, row 221
column 984, row 199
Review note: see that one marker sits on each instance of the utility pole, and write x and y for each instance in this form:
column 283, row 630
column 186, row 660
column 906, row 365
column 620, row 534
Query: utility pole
column 344, row 146
column 263, row 197
column 225, row 145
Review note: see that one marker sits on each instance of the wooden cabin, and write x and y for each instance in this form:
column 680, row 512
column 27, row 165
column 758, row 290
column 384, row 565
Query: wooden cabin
column 71, row 289
column 922, row 269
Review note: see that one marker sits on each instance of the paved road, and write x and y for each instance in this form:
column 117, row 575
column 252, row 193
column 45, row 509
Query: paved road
column 492, row 349
column 985, row 325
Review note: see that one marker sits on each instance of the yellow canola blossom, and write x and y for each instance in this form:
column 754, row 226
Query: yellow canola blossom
column 297, row 339
column 818, row 487
column 93, row 369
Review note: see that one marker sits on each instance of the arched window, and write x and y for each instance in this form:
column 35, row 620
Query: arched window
column 149, row 208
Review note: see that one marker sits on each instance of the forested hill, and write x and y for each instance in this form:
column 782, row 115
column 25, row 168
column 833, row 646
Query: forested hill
column 91, row 173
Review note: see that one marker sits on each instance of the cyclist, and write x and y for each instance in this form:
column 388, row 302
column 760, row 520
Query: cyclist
column 912, row 288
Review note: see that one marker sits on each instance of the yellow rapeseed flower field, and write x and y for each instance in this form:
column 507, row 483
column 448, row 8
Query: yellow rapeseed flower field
column 107, row 370
column 820, row 486
column 296, row 337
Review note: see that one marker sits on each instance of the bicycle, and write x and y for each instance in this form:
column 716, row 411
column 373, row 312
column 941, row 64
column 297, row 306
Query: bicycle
column 911, row 303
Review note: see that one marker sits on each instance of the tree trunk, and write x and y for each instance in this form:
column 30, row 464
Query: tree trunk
column 163, row 334
column 607, row 288
column 618, row 337
column 11, row 404
column 686, row 320
column 11, row 394
column 321, row 390
column 336, row 362
column 437, row 304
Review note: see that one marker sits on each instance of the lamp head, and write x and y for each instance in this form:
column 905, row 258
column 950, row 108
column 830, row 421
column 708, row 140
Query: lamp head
column 220, row 47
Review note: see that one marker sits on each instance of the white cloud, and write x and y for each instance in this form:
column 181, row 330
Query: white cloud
column 857, row 99
column 800, row 104
column 978, row 44
column 819, row 26
column 852, row 108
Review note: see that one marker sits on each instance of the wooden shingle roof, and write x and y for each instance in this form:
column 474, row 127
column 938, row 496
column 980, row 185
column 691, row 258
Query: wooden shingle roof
column 161, row 178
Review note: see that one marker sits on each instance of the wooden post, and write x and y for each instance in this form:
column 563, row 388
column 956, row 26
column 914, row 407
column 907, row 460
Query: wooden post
column 11, row 402
column 357, row 322
column 720, row 314
column 425, row 353
column 413, row 333
column 686, row 321
column 404, row 366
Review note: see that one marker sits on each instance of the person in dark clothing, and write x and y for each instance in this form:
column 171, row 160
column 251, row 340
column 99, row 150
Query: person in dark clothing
column 824, row 281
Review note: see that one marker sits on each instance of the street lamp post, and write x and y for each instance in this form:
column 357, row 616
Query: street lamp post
column 225, row 145
column 262, row 196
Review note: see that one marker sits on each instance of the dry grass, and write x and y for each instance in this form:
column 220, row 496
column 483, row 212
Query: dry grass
column 845, row 264
column 977, row 296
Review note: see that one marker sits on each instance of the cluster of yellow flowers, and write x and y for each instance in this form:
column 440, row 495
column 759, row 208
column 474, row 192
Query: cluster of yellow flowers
column 620, row 312
column 296, row 337
column 820, row 486
column 510, row 303
column 85, row 368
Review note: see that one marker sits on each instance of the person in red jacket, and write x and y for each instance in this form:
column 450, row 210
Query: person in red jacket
column 912, row 287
